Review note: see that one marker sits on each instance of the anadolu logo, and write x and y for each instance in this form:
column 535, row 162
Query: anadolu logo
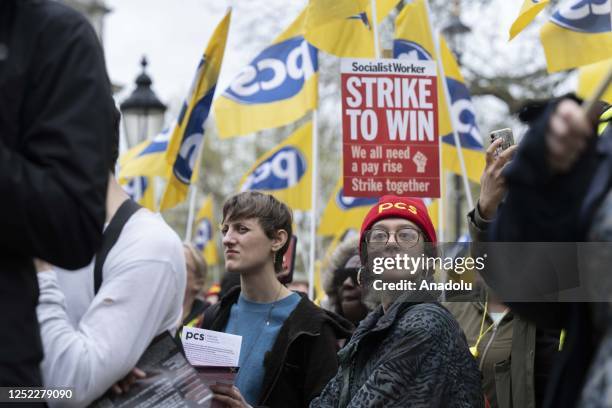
column 586, row 16
column 282, row 170
column 203, row 234
column 278, row 73
column 136, row 188
column 464, row 114
column 347, row 203
column 404, row 49
column 192, row 139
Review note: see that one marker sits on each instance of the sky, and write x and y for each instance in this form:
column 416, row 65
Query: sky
column 174, row 34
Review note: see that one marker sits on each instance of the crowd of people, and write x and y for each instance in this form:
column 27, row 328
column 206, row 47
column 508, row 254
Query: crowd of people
column 88, row 278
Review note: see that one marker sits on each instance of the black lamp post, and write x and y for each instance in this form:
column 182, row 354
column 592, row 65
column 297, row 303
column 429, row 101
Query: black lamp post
column 143, row 112
column 455, row 31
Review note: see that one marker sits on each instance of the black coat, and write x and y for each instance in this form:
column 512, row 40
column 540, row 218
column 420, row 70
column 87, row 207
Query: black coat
column 544, row 207
column 303, row 357
column 414, row 355
column 56, row 125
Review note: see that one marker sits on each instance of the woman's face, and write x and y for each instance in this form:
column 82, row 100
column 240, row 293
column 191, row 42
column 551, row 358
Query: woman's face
column 247, row 247
column 350, row 295
column 393, row 227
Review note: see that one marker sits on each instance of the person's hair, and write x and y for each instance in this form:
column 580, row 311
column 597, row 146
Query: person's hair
column 338, row 259
column 271, row 214
column 114, row 153
column 201, row 268
column 341, row 255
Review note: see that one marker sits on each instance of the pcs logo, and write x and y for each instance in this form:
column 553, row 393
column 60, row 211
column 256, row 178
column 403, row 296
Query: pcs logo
column 464, row 114
column 278, row 73
column 158, row 144
column 136, row 188
column 203, row 234
column 409, row 50
column 347, row 203
column 585, row 16
column 284, row 169
column 462, row 108
column 192, row 139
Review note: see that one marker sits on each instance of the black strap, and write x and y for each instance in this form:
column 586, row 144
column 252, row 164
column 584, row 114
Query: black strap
column 111, row 235
column 210, row 314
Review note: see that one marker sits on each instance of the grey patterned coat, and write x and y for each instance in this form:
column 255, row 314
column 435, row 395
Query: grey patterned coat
column 415, row 355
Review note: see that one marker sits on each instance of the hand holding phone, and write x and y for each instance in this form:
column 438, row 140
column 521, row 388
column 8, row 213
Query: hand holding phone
column 507, row 139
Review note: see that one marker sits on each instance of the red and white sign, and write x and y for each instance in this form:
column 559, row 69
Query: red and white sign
column 390, row 128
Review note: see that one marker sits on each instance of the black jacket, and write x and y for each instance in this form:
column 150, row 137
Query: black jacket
column 543, row 207
column 56, row 123
column 414, row 355
column 521, row 380
column 303, row 357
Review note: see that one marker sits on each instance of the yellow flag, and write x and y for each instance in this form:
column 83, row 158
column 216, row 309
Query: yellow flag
column 342, row 213
column 414, row 40
column 205, row 233
column 278, row 87
column 529, row 11
column 589, row 78
column 432, row 210
column 188, row 133
column 146, row 158
column 141, row 190
column 578, row 33
column 346, row 30
column 285, row 171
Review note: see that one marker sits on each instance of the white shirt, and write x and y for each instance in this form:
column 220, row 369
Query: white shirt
column 92, row 342
column 497, row 316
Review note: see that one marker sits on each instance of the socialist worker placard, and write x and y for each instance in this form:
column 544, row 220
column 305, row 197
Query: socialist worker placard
column 390, row 128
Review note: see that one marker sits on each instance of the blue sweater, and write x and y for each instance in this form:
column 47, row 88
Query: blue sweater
column 248, row 319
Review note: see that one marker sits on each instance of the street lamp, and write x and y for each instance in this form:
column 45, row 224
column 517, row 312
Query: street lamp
column 455, row 31
column 143, row 112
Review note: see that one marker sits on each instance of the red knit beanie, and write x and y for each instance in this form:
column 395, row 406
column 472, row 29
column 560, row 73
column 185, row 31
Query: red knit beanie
column 389, row 206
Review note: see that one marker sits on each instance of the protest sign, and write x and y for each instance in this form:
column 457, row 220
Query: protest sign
column 214, row 355
column 390, row 128
column 211, row 348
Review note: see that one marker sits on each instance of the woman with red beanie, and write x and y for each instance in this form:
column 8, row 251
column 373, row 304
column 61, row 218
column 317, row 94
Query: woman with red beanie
column 410, row 351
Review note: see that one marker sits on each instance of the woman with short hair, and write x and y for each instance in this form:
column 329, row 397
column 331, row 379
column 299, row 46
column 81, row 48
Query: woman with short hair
column 288, row 343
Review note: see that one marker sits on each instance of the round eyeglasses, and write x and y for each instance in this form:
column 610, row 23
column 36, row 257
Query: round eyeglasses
column 405, row 237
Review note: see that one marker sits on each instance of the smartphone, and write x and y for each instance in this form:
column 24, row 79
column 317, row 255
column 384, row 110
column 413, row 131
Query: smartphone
column 507, row 139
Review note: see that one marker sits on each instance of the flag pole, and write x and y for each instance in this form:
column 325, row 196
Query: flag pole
column 374, row 24
column 192, row 193
column 313, row 197
column 191, row 212
column 466, row 183
column 590, row 104
column 464, row 177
